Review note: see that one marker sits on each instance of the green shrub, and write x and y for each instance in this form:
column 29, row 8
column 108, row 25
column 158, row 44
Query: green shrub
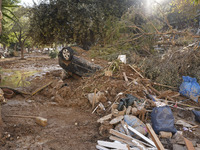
column 53, row 54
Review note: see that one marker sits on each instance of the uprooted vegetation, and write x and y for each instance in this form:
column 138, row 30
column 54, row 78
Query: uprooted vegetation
column 171, row 66
column 163, row 52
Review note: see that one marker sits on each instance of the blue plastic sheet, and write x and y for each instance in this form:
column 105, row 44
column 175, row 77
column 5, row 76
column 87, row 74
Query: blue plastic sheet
column 190, row 88
column 163, row 120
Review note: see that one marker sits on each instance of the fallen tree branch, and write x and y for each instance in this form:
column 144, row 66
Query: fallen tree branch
column 38, row 90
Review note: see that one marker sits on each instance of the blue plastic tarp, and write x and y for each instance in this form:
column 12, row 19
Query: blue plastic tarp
column 190, row 88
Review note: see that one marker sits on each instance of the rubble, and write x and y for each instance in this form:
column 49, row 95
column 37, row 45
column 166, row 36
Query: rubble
column 130, row 110
column 138, row 98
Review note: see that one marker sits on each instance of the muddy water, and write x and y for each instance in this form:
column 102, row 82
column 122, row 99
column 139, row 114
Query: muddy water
column 21, row 78
column 16, row 78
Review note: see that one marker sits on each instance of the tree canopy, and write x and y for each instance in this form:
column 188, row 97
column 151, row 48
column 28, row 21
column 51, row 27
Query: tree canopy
column 73, row 21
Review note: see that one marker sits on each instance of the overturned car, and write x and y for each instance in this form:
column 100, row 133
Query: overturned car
column 73, row 64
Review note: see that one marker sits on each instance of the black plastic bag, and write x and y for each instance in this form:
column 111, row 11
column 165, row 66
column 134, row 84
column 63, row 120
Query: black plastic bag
column 163, row 120
column 197, row 115
column 127, row 101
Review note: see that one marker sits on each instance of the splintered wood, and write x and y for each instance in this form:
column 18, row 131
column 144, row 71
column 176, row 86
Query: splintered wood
column 154, row 137
column 126, row 142
column 189, row 144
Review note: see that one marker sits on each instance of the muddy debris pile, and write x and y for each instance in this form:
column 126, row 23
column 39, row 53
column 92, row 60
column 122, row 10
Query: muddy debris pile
column 132, row 112
column 176, row 62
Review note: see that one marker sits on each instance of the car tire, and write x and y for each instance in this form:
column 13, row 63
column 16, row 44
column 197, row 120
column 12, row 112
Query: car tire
column 67, row 53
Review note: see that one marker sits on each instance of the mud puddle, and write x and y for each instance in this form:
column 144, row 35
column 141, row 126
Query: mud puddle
column 22, row 78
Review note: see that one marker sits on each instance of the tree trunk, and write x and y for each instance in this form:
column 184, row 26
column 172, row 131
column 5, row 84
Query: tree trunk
column 1, row 16
column 4, row 47
column 22, row 51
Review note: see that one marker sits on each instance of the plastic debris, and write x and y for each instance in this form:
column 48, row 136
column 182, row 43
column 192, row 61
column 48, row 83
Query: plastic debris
column 163, row 120
column 190, row 88
column 197, row 115
column 122, row 58
column 127, row 101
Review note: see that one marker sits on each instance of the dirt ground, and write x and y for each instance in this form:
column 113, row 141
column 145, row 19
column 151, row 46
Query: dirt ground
column 71, row 124
column 69, row 127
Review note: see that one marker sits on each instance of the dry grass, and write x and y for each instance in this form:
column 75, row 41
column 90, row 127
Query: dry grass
column 170, row 67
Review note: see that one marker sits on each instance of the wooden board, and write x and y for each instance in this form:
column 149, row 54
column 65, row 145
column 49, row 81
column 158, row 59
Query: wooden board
column 136, row 71
column 101, row 147
column 125, row 77
column 142, row 136
column 114, row 138
column 101, row 120
column 189, row 144
column 116, row 120
column 126, row 137
column 113, row 145
column 125, row 128
column 154, row 137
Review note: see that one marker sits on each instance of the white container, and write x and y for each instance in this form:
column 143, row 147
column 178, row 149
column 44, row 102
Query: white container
column 122, row 58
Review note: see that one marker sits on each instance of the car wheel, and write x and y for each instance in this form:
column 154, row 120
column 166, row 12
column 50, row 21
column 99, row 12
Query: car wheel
column 66, row 54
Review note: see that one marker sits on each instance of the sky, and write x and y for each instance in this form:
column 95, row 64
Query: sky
column 28, row 2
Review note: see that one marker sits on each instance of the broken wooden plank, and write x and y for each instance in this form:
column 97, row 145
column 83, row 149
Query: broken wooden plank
column 125, row 128
column 135, row 143
column 94, row 98
column 112, row 145
column 95, row 108
column 189, row 144
column 125, row 77
column 154, row 90
column 126, row 137
column 114, row 138
column 136, row 71
column 116, row 120
column 101, row 147
column 141, row 135
column 121, row 135
column 116, row 99
column 101, row 120
column 158, row 84
column 154, row 137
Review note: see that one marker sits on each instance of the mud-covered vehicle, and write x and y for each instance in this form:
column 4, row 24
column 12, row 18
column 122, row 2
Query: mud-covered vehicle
column 74, row 64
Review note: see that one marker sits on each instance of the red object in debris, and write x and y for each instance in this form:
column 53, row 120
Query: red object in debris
column 176, row 105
